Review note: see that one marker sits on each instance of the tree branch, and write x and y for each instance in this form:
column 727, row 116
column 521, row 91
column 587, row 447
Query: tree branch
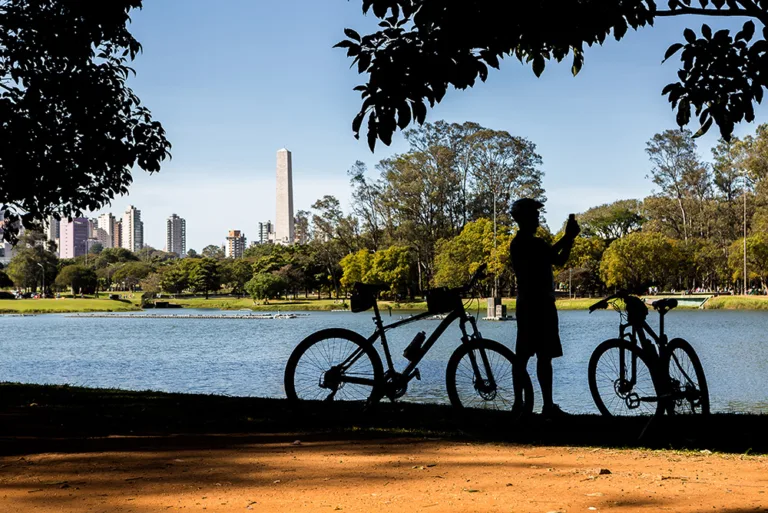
column 708, row 12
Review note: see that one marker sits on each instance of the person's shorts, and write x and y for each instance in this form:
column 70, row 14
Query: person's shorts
column 538, row 330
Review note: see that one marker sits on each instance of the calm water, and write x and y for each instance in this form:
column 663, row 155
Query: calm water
column 247, row 357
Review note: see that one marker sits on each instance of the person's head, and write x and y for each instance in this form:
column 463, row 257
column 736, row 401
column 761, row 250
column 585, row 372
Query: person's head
column 525, row 212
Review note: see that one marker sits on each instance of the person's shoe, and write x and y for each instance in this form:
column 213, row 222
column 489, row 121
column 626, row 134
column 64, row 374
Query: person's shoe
column 553, row 412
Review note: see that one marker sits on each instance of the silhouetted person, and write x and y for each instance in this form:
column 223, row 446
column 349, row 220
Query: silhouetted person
column 537, row 324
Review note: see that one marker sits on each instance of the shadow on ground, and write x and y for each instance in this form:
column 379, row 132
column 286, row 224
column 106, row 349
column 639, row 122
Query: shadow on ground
column 36, row 418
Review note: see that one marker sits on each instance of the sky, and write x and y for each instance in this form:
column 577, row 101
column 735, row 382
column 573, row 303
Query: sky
column 235, row 82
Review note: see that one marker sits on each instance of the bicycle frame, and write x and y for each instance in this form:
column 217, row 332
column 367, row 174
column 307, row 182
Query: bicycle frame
column 411, row 371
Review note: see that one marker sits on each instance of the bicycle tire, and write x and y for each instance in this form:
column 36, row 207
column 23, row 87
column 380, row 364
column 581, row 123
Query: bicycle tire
column 314, row 356
column 607, row 386
column 680, row 360
column 461, row 383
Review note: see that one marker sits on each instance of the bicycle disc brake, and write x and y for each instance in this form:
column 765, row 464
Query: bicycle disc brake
column 485, row 390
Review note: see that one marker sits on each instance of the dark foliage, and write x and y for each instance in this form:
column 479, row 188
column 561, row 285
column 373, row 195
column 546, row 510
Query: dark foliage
column 425, row 46
column 70, row 129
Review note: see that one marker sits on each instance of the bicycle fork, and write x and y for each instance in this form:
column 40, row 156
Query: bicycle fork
column 486, row 387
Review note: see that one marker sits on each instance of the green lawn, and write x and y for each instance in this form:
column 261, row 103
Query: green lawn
column 737, row 303
column 65, row 305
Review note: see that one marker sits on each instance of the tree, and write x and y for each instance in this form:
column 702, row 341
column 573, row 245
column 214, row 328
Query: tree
column 612, row 221
column 33, row 263
column 425, row 46
column 757, row 259
column 69, row 119
column 238, row 273
column 582, row 270
column 265, row 286
column 79, row 278
column 130, row 274
column 95, row 248
column 213, row 251
column 175, row 278
column 151, row 283
column 640, row 260
column 678, row 172
column 205, row 276
column 192, row 253
column 456, row 259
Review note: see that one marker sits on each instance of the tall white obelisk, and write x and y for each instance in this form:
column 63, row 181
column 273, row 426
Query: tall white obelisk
column 284, row 233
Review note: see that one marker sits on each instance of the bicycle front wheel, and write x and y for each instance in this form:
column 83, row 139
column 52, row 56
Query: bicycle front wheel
column 688, row 389
column 479, row 375
column 621, row 380
column 333, row 365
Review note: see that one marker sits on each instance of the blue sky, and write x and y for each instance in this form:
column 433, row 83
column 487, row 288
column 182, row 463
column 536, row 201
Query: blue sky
column 234, row 83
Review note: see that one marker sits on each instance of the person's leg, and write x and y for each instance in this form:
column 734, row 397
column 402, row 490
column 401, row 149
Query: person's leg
column 544, row 373
column 521, row 377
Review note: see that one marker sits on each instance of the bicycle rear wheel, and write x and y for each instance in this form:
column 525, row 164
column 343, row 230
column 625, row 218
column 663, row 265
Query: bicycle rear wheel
column 621, row 380
column 333, row 365
column 687, row 384
column 494, row 388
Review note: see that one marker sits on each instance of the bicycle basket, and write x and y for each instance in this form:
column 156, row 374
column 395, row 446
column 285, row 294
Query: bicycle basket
column 443, row 300
column 362, row 298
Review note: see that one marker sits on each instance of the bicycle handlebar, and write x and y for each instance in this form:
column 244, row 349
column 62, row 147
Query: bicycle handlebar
column 480, row 270
column 603, row 303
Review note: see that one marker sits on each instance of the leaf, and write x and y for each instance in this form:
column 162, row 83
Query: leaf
column 672, row 50
column 747, row 32
column 704, row 128
column 538, row 65
column 419, row 111
column 706, row 31
column 403, row 115
column 689, row 35
column 352, row 34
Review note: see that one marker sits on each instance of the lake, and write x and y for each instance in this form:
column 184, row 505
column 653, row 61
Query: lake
column 247, row 357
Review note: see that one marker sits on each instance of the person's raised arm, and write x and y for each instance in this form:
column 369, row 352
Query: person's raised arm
column 562, row 248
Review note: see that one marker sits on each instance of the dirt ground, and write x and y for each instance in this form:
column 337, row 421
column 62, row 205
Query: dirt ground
column 278, row 473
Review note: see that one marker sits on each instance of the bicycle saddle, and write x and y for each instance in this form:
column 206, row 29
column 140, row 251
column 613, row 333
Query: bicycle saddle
column 664, row 304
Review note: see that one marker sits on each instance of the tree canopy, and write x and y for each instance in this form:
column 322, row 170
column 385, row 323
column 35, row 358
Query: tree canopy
column 69, row 120
column 425, row 46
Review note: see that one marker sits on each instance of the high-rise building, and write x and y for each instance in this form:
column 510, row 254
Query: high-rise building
column 52, row 229
column 284, row 231
column 132, row 230
column 266, row 232
column 235, row 244
column 117, row 237
column 73, row 241
column 176, row 235
column 105, row 230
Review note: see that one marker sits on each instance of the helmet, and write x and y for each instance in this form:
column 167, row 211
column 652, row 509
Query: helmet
column 525, row 205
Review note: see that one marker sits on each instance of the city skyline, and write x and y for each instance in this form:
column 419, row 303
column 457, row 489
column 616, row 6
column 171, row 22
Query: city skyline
column 590, row 130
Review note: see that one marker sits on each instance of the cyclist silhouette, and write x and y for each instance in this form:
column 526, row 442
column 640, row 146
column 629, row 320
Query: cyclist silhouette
column 537, row 324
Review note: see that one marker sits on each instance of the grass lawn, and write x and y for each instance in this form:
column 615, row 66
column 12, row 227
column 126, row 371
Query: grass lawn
column 737, row 303
column 65, row 305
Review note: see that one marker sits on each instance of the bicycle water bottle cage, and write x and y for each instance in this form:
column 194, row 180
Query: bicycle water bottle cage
column 363, row 297
column 636, row 310
column 443, row 300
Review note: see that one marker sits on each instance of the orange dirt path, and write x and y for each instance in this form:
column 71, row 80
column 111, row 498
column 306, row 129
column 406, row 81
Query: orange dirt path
column 397, row 475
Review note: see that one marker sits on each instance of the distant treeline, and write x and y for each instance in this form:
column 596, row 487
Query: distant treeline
column 428, row 218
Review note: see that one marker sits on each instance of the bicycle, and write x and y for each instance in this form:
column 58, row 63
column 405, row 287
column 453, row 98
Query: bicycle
column 340, row 364
column 642, row 372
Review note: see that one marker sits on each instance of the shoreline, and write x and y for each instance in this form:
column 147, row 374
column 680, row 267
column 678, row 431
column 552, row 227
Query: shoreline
column 93, row 305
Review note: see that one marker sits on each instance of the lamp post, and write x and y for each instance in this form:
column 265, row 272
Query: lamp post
column 43, row 268
column 745, row 232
